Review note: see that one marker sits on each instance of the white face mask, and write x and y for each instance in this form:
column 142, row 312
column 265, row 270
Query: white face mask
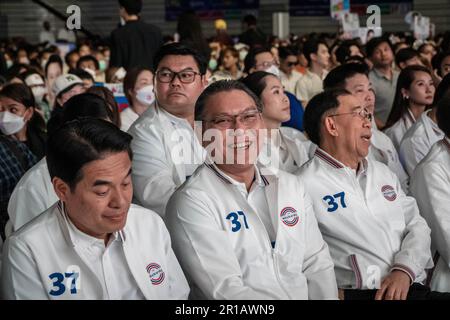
column 91, row 72
column 9, row 64
column 146, row 95
column 39, row 93
column 273, row 70
column 10, row 123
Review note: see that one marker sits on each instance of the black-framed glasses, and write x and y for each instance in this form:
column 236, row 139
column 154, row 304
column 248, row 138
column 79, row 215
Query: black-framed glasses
column 267, row 64
column 247, row 118
column 363, row 113
column 292, row 64
column 185, row 76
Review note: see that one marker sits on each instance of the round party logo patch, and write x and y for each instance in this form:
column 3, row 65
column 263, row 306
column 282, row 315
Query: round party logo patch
column 289, row 216
column 156, row 273
column 389, row 193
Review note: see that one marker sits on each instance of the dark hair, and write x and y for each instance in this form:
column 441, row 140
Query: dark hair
column 130, row 79
column 79, row 142
column 284, row 52
column 442, row 89
column 250, row 58
column 436, row 61
column 320, row 104
column 86, row 105
column 343, row 51
column 250, row 20
column 443, row 114
column 88, row 58
column 400, row 105
column 222, row 86
column 132, row 7
column 191, row 33
column 22, row 93
column 336, row 78
column 67, row 56
column 404, row 55
column 312, row 46
column 256, row 81
column 54, row 58
column 180, row 49
column 108, row 96
column 374, row 43
column 233, row 52
column 82, row 74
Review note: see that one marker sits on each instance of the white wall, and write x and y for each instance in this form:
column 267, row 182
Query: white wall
column 101, row 16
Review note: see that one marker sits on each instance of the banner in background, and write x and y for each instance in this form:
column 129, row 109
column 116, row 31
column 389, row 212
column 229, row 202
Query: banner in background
column 211, row 9
column 339, row 8
column 322, row 7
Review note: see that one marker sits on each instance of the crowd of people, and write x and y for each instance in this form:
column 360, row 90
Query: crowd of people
column 248, row 167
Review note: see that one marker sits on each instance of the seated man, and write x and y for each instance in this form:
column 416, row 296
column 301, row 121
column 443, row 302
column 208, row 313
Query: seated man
column 376, row 236
column 354, row 78
column 99, row 245
column 34, row 192
column 430, row 185
column 238, row 233
column 165, row 146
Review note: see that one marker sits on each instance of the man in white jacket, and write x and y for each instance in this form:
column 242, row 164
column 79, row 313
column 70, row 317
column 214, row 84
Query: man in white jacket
column 430, row 185
column 34, row 192
column 354, row 78
column 92, row 244
column 165, row 147
column 379, row 243
column 239, row 231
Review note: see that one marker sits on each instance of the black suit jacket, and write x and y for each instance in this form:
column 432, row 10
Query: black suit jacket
column 135, row 44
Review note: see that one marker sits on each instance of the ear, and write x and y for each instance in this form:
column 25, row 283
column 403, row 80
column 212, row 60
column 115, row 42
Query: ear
column 204, row 81
column 28, row 114
column 402, row 65
column 405, row 92
column 330, row 126
column 313, row 56
column 61, row 188
column 59, row 100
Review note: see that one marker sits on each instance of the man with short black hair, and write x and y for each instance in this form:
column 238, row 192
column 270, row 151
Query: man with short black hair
column 100, row 246
column 288, row 75
column 318, row 56
column 165, row 146
column 242, row 230
column 379, row 243
column 134, row 43
column 252, row 36
column 383, row 76
column 407, row 57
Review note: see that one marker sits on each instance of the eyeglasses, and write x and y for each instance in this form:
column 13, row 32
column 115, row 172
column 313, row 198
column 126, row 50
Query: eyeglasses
column 362, row 113
column 292, row 64
column 167, row 76
column 247, row 118
column 266, row 64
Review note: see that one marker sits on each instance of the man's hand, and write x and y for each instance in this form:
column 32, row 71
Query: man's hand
column 394, row 287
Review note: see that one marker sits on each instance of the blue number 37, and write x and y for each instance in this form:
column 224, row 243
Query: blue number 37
column 234, row 218
column 331, row 201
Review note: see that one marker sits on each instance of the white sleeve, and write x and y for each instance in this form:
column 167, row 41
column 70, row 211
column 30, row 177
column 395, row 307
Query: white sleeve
column 412, row 151
column 204, row 252
column 20, row 278
column 301, row 91
column 152, row 175
column 318, row 265
column 431, row 189
column 415, row 252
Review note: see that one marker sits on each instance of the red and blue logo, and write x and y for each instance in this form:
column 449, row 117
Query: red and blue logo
column 156, row 273
column 389, row 193
column 289, row 216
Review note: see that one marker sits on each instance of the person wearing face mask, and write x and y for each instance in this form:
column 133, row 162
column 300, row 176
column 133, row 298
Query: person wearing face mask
column 262, row 59
column 90, row 64
column 138, row 88
column 36, row 83
column 19, row 119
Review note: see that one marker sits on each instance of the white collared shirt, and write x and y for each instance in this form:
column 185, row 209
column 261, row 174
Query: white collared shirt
column 418, row 141
column 127, row 118
column 289, row 81
column 108, row 263
column 309, row 85
column 399, row 129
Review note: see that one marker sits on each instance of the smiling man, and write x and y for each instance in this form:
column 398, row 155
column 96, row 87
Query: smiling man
column 92, row 244
column 165, row 148
column 241, row 234
column 379, row 243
